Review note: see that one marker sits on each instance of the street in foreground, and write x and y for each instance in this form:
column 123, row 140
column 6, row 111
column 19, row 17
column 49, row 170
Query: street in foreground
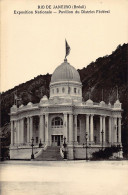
column 64, row 177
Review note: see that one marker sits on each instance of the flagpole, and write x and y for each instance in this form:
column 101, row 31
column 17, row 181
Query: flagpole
column 65, row 50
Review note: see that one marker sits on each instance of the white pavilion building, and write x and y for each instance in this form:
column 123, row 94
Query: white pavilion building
column 64, row 115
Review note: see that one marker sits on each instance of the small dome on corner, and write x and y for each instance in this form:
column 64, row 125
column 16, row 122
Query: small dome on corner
column 21, row 106
column 109, row 104
column 89, row 102
column 102, row 103
column 29, row 104
column 44, row 97
column 117, row 102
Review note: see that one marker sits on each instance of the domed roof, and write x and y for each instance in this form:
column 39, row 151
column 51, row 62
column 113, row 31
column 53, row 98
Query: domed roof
column 89, row 102
column 29, row 104
column 117, row 102
column 21, row 106
column 44, row 97
column 65, row 72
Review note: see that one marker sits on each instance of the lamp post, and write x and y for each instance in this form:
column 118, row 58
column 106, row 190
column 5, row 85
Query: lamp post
column 86, row 139
column 65, row 145
column 40, row 144
column 102, row 132
column 119, row 149
column 32, row 155
column 117, row 136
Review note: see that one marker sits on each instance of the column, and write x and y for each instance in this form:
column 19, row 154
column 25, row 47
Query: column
column 18, row 132
column 41, row 129
column 87, row 125
column 101, row 128
column 119, row 130
column 71, row 128
column 110, row 130
column 28, row 130
column 22, row 130
column 104, row 130
column 75, row 128
column 12, row 135
column 115, row 130
column 46, row 128
column 65, row 127
column 91, row 129
column 31, row 128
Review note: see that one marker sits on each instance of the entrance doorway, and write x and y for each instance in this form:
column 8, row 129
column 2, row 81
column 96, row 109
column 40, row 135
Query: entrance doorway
column 57, row 140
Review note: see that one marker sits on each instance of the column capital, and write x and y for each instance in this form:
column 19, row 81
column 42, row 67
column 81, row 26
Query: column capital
column 46, row 114
column 71, row 114
column 65, row 113
column 41, row 115
column 22, row 118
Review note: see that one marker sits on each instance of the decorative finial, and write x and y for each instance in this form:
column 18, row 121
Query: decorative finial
column 109, row 99
column 117, row 93
column 102, row 94
column 89, row 95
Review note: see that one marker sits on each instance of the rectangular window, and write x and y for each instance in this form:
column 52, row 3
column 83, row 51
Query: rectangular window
column 36, row 139
column 74, row 90
column 55, row 138
column 78, row 139
column 61, row 138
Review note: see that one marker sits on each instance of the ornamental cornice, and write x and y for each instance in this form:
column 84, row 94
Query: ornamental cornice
column 65, row 82
column 65, row 109
column 94, row 107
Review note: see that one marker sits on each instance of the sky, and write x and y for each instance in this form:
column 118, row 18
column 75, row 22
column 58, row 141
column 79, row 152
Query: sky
column 34, row 44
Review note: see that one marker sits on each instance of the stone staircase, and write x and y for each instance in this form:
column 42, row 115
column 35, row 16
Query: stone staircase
column 52, row 153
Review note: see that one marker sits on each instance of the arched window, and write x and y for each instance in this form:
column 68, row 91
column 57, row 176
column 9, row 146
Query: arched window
column 74, row 90
column 63, row 89
column 52, row 90
column 57, row 90
column 78, row 123
column 69, row 89
column 57, row 122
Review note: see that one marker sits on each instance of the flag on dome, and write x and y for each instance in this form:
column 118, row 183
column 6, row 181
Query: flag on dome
column 67, row 48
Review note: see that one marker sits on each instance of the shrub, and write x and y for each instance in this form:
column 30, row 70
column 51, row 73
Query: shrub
column 106, row 153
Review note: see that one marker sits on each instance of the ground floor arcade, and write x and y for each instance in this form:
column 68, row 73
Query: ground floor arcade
column 52, row 128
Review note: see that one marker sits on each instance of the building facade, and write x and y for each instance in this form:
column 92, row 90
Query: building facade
column 65, row 115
